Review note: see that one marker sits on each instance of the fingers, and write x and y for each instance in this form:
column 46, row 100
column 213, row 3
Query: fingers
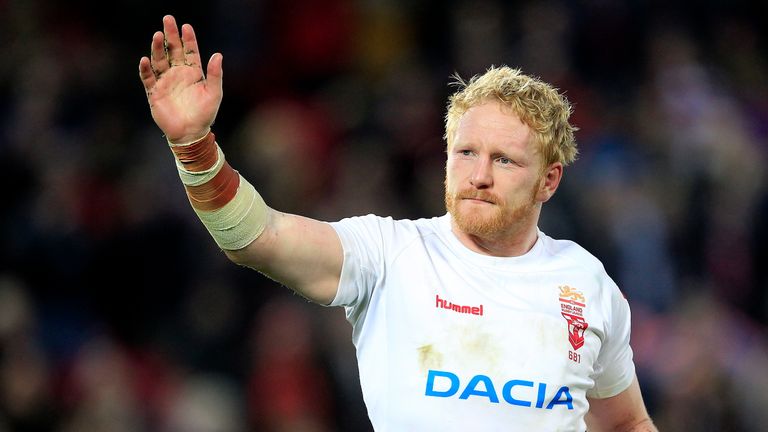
column 158, row 59
column 189, row 42
column 173, row 45
column 171, row 48
column 146, row 74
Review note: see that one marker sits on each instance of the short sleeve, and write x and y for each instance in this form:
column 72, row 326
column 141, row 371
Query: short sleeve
column 361, row 240
column 615, row 370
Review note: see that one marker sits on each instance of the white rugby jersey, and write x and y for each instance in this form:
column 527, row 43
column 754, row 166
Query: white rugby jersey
column 448, row 339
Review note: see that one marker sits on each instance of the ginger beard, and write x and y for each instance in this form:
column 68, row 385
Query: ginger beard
column 502, row 218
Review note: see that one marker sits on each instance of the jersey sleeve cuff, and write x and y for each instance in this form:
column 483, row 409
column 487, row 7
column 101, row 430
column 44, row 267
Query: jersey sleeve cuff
column 598, row 392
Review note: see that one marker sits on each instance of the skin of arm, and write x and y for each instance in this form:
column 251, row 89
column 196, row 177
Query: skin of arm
column 624, row 412
column 304, row 254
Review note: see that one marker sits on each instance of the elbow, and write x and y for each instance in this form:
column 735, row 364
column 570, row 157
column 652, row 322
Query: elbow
column 238, row 257
column 254, row 255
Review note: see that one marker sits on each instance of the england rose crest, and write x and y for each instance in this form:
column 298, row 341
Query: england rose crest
column 572, row 305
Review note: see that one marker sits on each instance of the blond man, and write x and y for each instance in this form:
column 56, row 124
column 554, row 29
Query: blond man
column 475, row 320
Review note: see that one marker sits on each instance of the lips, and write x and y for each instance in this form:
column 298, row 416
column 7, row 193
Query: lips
column 486, row 198
column 477, row 200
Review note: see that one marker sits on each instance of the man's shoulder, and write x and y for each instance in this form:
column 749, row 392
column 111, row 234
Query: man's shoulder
column 572, row 252
column 388, row 230
column 569, row 256
column 384, row 223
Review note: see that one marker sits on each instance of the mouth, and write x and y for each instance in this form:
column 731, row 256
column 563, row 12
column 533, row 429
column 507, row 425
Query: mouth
column 477, row 200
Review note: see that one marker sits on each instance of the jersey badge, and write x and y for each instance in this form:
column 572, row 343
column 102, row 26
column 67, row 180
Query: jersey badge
column 572, row 305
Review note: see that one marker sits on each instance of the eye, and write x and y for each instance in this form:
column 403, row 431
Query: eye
column 465, row 153
column 505, row 161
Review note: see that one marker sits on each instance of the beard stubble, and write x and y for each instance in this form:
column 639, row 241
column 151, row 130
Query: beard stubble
column 504, row 219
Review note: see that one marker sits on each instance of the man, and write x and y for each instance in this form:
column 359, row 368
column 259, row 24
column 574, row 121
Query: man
column 475, row 320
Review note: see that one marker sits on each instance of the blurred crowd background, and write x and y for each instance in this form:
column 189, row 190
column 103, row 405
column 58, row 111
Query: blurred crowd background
column 118, row 312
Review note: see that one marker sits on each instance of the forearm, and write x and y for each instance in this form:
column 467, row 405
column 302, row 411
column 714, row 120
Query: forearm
column 229, row 207
column 302, row 253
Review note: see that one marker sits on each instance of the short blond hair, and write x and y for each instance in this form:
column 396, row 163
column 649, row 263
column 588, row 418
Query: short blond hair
column 538, row 104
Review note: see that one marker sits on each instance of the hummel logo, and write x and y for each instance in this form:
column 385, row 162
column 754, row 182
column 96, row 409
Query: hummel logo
column 443, row 304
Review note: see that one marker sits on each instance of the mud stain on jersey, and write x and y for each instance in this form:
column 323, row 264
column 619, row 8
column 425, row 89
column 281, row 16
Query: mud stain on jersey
column 478, row 347
column 464, row 346
column 429, row 358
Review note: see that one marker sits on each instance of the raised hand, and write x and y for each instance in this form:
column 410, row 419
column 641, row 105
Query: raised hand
column 184, row 101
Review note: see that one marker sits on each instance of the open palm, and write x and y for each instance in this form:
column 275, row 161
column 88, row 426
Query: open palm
column 184, row 101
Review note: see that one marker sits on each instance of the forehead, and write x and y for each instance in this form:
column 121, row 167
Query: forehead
column 492, row 123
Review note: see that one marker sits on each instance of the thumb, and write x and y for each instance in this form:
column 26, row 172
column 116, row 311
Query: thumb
column 215, row 71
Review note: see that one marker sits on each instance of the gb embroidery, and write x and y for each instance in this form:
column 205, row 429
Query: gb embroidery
column 572, row 304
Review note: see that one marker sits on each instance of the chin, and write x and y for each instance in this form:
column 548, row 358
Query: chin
column 486, row 223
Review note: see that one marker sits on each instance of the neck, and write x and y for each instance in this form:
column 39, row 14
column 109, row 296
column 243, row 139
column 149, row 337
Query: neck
column 515, row 242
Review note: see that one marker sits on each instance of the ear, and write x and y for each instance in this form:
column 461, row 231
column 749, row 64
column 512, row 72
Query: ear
column 550, row 180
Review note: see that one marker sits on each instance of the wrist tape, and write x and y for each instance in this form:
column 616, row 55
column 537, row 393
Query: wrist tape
column 229, row 207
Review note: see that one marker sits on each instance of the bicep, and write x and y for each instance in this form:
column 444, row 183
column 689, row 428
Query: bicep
column 622, row 412
column 302, row 253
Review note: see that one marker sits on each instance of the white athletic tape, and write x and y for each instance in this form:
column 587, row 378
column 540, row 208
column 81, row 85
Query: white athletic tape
column 240, row 221
column 196, row 178
column 172, row 144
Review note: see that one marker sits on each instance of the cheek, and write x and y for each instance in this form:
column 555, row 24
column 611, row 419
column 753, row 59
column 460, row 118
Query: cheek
column 450, row 174
column 457, row 169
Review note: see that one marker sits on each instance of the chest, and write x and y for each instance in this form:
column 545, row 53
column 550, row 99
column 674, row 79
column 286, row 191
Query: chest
column 530, row 326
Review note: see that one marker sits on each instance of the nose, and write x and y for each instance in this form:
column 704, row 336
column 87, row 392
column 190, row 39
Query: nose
column 482, row 176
